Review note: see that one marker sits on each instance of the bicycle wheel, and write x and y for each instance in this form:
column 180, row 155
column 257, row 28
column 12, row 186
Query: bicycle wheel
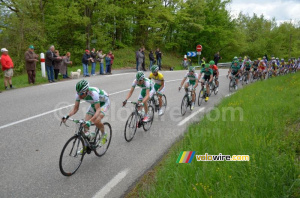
column 184, row 104
column 164, row 103
column 101, row 149
column 130, row 127
column 231, row 85
column 147, row 125
column 70, row 160
column 216, row 90
column 201, row 97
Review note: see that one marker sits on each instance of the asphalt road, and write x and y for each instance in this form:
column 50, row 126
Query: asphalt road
column 32, row 139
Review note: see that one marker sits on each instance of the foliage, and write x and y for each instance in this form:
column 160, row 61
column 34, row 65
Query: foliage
column 172, row 25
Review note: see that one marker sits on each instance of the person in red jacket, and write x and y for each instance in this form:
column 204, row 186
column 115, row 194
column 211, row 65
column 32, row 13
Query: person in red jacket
column 7, row 67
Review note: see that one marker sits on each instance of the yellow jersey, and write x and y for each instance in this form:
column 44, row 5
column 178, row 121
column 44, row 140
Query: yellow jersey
column 157, row 79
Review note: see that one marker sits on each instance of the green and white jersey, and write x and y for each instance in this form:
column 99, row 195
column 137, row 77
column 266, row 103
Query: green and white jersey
column 148, row 84
column 192, row 77
column 94, row 96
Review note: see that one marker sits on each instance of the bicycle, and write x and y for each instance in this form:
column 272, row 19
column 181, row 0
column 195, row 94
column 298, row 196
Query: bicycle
column 245, row 78
column 71, row 158
column 135, row 120
column 154, row 101
column 187, row 100
column 203, row 94
column 232, row 83
column 213, row 87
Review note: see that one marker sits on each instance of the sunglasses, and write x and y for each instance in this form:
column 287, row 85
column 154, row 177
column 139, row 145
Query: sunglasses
column 80, row 94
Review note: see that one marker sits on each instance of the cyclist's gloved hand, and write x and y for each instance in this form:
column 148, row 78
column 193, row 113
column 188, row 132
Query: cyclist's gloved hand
column 179, row 88
column 124, row 102
column 88, row 123
column 65, row 118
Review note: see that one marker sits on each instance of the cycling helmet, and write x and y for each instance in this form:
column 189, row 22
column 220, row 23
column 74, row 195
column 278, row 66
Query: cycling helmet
column 235, row 58
column 154, row 68
column 191, row 69
column 206, row 65
column 247, row 62
column 139, row 76
column 211, row 62
column 277, row 58
column 282, row 60
column 82, row 86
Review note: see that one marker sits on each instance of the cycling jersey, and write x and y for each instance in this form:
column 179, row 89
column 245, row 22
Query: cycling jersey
column 235, row 69
column 192, row 77
column 206, row 72
column 214, row 68
column 157, row 79
column 148, row 84
column 94, row 96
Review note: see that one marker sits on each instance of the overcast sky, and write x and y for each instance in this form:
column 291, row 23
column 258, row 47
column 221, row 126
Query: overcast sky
column 282, row 10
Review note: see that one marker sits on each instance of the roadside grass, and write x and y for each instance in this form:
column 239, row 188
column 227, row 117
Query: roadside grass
column 124, row 59
column 264, row 123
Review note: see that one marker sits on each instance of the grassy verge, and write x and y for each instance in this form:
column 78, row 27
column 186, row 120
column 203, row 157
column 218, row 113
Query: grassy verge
column 124, row 59
column 265, row 125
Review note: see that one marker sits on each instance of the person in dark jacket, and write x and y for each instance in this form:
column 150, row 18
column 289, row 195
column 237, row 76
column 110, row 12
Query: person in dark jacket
column 85, row 63
column 151, row 58
column 30, row 61
column 143, row 64
column 217, row 58
column 158, row 57
column 49, row 62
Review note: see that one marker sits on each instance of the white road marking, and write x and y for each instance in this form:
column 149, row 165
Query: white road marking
column 190, row 116
column 229, row 94
column 54, row 110
column 111, row 184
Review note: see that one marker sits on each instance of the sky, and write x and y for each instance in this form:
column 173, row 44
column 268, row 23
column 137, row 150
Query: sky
column 282, row 10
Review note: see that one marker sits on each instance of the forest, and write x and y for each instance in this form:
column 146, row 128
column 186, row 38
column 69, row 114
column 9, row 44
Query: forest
column 175, row 26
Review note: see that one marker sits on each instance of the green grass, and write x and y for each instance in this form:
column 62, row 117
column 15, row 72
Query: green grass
column 124, row 59
column 269, row 133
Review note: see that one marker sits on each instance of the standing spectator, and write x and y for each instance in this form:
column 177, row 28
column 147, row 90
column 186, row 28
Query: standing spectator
column 112, row 57
column 85, row 63
column 217, row 58
column 107, row 63
column 64, row 68
column 140, row 59
column 158, row 58
column 7, row 67
column 143, row 52
column 137, row 59
column 57, row 64
column 101, row 61
column 151, row 58
column 30, row 61
column 93, row 60
column 49, row 62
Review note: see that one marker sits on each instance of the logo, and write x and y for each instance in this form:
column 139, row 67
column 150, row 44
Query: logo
column 185, row 157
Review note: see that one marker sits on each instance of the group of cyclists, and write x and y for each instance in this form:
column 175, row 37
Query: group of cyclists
column 261, row 68
column 155, row 83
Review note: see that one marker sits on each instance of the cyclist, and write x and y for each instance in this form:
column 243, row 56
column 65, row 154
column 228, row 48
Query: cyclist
column 215, row 72
column 235, row 70
column 254, row 67
column 208, row 76
column 274, row 67
column 147, row 92
column 100, row 104
column 193, row 81
column 247, row 67
column 159, row 85
column 262, row 68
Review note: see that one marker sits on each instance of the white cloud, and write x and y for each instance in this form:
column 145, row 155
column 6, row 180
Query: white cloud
column 278, row 9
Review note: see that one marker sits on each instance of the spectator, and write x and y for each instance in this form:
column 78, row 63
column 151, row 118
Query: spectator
column 143, row 52
column 158, row 58
column 93, row 60
column 108, row 62
column 203, row 62
column 151, row 58
column 140, row 59
column 49, row 62
column 101, row 61
column 64, row 68
column 7, row 67
column 137, row 59
column 57, row 64
column 30, row 61
column 85, row 63
column 112, row 57
column 217, row 58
